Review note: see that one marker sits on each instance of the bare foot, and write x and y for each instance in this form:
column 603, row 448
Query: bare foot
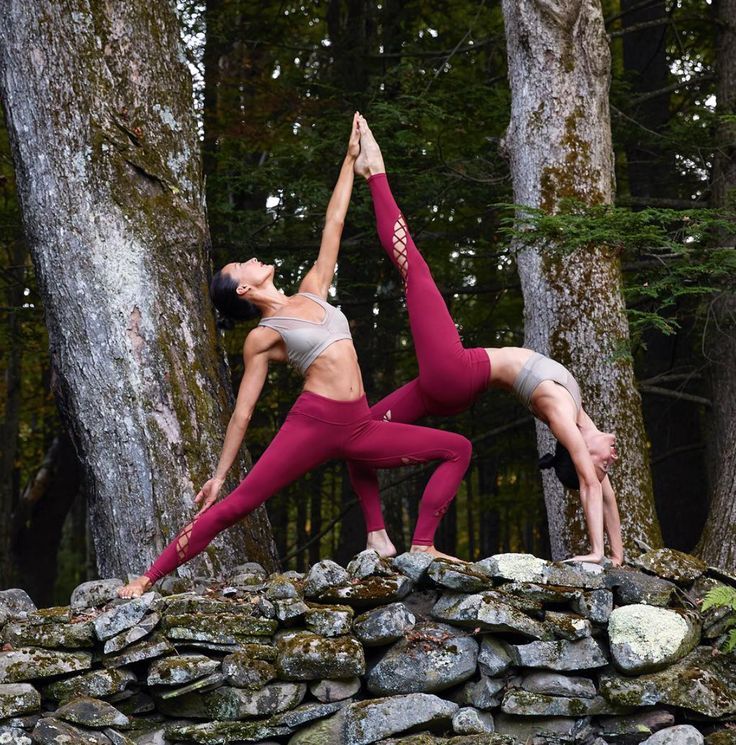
column 590, row 558
column 379, row 541
column 432, row 551
column 135, row 589
column 370, row 160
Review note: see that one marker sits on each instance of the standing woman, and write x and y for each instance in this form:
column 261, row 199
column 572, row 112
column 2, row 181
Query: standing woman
column 330, row 419
column 451, row 377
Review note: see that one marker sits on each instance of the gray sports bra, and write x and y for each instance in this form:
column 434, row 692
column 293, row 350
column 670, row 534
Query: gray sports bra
column 539, row 368
column 306, row 340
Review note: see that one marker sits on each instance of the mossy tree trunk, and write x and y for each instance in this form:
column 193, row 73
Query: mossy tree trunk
column 718, row 543
column 99, row 107
column 559, row 145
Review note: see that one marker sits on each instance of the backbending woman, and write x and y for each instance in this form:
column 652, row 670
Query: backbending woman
column 330, row 419
column 451, row 377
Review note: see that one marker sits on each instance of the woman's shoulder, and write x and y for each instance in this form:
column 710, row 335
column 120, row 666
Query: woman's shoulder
column 260, row 339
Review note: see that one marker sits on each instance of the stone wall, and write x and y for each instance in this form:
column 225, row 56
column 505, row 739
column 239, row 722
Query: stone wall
column 511, row 649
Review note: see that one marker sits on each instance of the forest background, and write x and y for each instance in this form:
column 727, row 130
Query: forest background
column 275, row 85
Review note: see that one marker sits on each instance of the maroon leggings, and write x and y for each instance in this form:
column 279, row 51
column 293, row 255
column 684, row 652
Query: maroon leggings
column 318, row 429
column 450, row 377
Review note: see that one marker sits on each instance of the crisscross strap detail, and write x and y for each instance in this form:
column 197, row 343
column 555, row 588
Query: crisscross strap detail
column 182, row 540
column 400, row 240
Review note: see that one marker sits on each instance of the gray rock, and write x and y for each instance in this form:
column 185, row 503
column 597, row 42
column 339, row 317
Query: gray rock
column 10, row 735
column 16, row 603
column 97, row 684
column 670, row 564
column 306, row 713
column 383, row 625
column 228, row 703
column 208, row 683
column 129, row 636
column 93, row 594
column 510, row 566
column 700, row 682
column 189, row 603
column 434, row 658
column 29, row 664
column 493, row 658
column 539, row 594
column 488, row 611
column 323, row 575
column 50, row 731
column 551, row 729
column 681, row 734
column 413, row 565
column 644, row 638
column 367, row 564
column 369, row 721
column 455, row 576
column 567, row 625
column 17, row 699
column 556, row 684
column 249, row 573
column 223, row 733
column 334, row 690
column 306, row 656
column 219, row 628
column 243, row 671
column 148, row 649
column 524, row 703
column 281, row 588
column 631, row 587
column 583, row 575
column 595, row 605
column 330, row 731
column 122, row 616
column 635, row 726
column 92, row 712
column 470, row 721
column 369, row 592
column 333, row 620
column 481, row 694
column 116, row 738
column 290, row 608
column 49, row 635
column 181, row 669
column 584, row 654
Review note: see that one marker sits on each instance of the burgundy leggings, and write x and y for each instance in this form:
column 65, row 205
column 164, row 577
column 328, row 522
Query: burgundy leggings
column 450, row 377
column 318, row 429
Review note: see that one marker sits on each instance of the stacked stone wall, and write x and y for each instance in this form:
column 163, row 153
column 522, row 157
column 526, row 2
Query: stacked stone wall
column 504, row 651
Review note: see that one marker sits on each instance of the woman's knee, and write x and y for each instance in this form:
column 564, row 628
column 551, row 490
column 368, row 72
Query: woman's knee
column 463, row 449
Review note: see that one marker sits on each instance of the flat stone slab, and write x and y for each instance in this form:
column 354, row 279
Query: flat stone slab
column 95, row 593
column 123, row 616
column 670, row 564
column 201, row 685
column 33, row 663
column 384, row 625
column 369, row 592
column 525, row 729
column 228, row 703
column 631, row 586
column 148, row 649
column 525, row 703
column 557, row 684
column 181, row 669
column 130, row 636
column 17, row 699
column 583, row 575
column 488, row 611
column 306, row 656
column 636, row 725
column 221, row 628
column 51, row 731
column 434, row 657
column 493, row 658
column 243, row 671
column 223, row 733
column 699, row 682
column 334, row 690
column 333, row 620
column 372, row 720
column 461, row 577
column 290, row 609
column 470, row 721
column 644, row 638
column 49, row 635
column 481, row 694
column 413, row 565
column 595, row 605
column 585, row 654
column 92, row 712
column 97, row 684
column 513, row 566
column 567, row 625
column 306, row 713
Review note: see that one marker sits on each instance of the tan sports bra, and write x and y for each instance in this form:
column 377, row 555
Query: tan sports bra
column 306, row 340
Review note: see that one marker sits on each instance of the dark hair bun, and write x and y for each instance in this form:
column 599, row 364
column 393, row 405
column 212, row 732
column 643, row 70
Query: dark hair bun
column 546, row 461
column 225, row 322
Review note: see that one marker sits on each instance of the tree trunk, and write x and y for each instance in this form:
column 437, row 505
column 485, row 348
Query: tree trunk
column 718, row 543
column 559, row 145
column 99, row 107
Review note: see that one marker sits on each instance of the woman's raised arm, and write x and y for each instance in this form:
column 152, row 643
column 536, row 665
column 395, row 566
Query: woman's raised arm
column 319, row 277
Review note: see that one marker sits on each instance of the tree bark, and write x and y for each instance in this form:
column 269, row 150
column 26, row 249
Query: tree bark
column 559, row 146
column 718, row 543
column 99, row 108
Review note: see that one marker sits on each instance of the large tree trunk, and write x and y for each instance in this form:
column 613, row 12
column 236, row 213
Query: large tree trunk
column 718, row 544
column 559, row 145
column 99, row 107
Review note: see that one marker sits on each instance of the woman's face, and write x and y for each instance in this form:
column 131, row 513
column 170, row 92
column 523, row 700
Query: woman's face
column 602, row 449
column 249, row 274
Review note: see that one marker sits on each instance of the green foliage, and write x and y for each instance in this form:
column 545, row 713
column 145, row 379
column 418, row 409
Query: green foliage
column 723, row 596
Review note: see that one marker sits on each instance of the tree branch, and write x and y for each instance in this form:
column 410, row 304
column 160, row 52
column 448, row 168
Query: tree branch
column 655, row 390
